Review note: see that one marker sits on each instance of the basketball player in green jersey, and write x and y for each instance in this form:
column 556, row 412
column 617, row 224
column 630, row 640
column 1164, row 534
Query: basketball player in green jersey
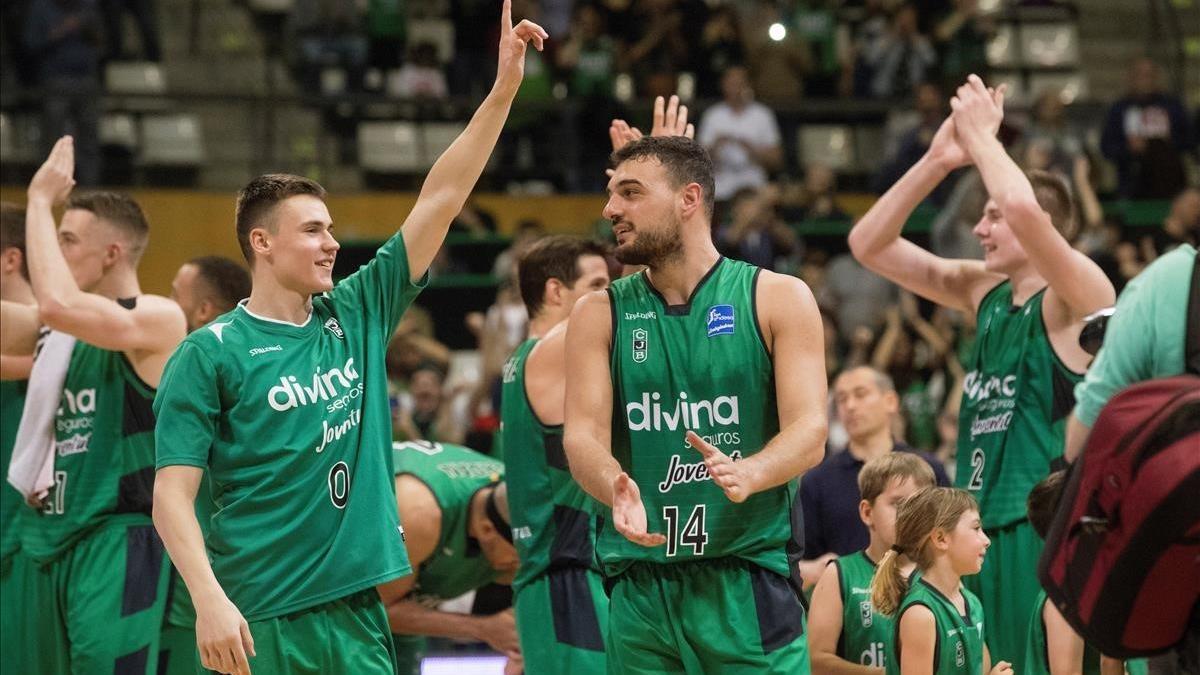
column 697, row 397
column 100, row 589
column 846, row 636
column 1029, row 296
column 458, row 539
column 562, row 611
column 205, row 288
column 284, row 403
column 14, row 567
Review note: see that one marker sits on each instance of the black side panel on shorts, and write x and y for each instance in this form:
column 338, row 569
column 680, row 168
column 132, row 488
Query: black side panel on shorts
column 779, row 612
column 575, row 621
column 572, row 545
column 556, row 454
column 132, row 664
column 135, row 491
column 143, row 567
column 138, row 416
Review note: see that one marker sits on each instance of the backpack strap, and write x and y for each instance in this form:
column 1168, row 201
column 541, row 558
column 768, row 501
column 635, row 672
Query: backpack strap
column 1191, row 356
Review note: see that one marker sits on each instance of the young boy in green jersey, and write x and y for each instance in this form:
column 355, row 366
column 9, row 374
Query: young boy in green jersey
column 939, row 624
column 283, row 403
column 696, row 399
column 1052, row 646
column 1029, row 295
column 97, row 599
column 846, row 635
column 458, row 539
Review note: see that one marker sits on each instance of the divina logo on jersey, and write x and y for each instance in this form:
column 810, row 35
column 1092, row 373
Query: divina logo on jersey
column 650, row 413
column 978, row 388
column 338, row 386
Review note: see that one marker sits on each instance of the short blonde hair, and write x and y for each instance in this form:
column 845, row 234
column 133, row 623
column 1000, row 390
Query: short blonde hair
column 878, row 473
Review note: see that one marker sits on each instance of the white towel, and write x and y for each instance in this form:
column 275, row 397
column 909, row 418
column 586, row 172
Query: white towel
column 31, row 470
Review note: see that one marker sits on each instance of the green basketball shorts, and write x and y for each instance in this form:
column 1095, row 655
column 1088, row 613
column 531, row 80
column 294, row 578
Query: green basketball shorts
column 562, row 619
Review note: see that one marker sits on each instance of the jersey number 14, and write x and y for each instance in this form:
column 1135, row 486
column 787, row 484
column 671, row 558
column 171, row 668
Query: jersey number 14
column 693, row 534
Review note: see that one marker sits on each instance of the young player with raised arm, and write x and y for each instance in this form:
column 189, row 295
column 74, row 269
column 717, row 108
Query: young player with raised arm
column 97, row 600
column 1029, row 295
column 284, row 403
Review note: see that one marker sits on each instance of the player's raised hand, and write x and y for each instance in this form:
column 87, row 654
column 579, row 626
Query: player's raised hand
column 978, row 110
column 945, row 148
column 621, row 134
column 629, row 513
column 732, row 477
column 223, row 637
column 1002, row 668
column 54, row 180
column 671, row 119
column 511, row 68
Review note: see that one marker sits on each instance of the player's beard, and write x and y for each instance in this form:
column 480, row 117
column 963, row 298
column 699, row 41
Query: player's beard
column 652, row 247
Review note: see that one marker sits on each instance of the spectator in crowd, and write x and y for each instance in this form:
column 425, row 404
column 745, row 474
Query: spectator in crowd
column 474, row 59
column 527, row 232
column 421, row 76
column 779, row 68
column 862, row 37
column 386, row 27
column 589, row 55
column 1049, row 127
column 814, row 199
column 741, row 135
column 755, row 233
column 327, row 34
column 63, row 37
column 816, row 22
column 413, row 345
column 1181, row 226
column 656, row 48
column 962, row 37
column 866, row 403
column 858, row 296
column 721, row 46
column 909, row 142
column 901, row 60
column 427, row 412
column 1147, row 133
column 147, row 25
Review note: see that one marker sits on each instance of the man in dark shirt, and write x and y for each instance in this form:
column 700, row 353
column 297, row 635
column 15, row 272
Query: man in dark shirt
column 866, row 405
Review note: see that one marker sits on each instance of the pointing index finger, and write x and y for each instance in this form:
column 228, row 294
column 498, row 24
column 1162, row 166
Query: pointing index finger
column 705, row 448
column 506, row 16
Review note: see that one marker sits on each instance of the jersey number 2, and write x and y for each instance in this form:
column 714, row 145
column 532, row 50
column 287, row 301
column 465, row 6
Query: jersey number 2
column 977, row 461
column 693, row 534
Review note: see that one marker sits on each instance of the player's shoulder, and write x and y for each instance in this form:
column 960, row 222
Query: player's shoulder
column 223, row 334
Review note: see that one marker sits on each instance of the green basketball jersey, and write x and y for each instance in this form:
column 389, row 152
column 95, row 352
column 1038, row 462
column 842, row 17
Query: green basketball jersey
column 453, row 474
column 292, row 424
column 959, row 645
column 1037, row 657
column 104, row 452
column 553, row 519
column 702, row 366
column 1015, row 400
column 12, row 402
column 865, row 632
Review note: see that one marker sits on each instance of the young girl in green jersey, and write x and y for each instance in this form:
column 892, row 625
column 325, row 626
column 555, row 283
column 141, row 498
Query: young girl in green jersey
column 846, row 636
column 939, row 624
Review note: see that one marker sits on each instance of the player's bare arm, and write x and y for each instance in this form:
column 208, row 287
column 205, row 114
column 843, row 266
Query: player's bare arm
column 15, row 367
column 18, row 328
column 918, row 637
column 148, row 333
column 587, row 437
column 546, row 376
column 422, row 518
column 1064, row 648
column 792, row 329
column 875, row 239
column 1078, row 287
column 222, row 634
column 825, row 627
column 455, row 173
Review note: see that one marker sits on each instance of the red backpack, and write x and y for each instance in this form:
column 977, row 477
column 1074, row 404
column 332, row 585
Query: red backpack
column 1122, row 557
